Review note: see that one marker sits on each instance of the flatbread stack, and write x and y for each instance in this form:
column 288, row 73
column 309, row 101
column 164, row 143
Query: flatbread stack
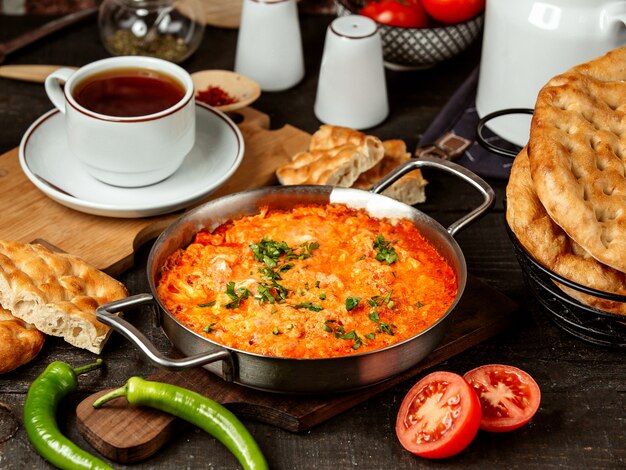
column 42, row 291
column 566, row 197
column 340, row 156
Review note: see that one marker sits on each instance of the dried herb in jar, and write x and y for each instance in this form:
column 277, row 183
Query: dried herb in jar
column 168, row 47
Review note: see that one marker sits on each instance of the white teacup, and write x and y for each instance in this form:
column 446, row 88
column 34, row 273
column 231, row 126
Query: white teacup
column 134, row 139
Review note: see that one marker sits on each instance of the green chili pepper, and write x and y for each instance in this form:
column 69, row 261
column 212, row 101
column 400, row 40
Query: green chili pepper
column 197, row 409
column 57, row 381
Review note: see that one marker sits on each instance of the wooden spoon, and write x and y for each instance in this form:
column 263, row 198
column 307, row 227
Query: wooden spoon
column 243, row 89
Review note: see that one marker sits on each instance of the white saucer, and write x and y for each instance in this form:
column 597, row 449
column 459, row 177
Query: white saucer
column 47, row 161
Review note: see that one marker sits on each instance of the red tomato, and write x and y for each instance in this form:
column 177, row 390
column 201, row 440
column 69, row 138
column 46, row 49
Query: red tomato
column 453, row 11
column 406, row 14
column 439, row 416
column 509, row 397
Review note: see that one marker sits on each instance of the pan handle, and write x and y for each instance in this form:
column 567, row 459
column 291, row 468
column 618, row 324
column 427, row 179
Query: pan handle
column 106, row 314
column 485, row 190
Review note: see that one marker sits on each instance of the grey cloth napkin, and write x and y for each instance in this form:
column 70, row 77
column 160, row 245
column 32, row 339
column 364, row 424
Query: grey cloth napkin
column 459, row 115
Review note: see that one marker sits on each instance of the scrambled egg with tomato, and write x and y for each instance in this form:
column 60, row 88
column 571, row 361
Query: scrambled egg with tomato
column 316, row 281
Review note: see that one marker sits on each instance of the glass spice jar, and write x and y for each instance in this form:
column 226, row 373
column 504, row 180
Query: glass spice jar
column 167, row 29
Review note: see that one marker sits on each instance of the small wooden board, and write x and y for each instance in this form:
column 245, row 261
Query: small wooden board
column 127, row 434
column 109, row 243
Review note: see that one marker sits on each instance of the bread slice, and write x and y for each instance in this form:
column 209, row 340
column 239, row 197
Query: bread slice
column 19, row 342
column 336, row 166
column 408, row 189
column 56, row 292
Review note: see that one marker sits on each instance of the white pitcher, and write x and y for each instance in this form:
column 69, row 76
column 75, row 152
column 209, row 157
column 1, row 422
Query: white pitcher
column 527, row 42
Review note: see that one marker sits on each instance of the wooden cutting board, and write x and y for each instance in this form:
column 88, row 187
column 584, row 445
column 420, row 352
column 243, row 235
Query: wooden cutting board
column 128, row 434
column 110, row 243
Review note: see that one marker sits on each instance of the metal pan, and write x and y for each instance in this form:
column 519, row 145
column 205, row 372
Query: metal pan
column 286, row 375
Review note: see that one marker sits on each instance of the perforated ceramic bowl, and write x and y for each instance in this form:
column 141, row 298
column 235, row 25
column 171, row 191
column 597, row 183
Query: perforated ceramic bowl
column 414, row 48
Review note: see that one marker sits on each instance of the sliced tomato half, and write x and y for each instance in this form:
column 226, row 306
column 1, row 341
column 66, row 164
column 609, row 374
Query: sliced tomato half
column 439, row 416
column 509, row 397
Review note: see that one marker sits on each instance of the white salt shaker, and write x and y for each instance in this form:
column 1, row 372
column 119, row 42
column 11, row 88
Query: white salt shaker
column 352, row 90
column 269, row 44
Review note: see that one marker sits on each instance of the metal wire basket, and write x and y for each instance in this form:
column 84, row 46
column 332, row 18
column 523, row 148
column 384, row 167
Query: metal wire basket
column 585, row 322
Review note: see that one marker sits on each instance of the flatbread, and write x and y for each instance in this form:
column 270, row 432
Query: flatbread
column 19, row 342
column 56, row 292
column 336, row 166
column 336, row 157
column 328, row 136
column 577, row 152
column 409, row 189
column 551, row 246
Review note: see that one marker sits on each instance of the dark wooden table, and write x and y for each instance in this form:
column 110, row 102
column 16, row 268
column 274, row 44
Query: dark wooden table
column 582, row 419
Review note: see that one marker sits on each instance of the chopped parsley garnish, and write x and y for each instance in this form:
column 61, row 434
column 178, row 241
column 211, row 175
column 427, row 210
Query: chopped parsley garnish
column 270, row 274
column 209, row 328
column 275, row 331
column 236, row 296
column 419, row 304
column 269, row 251
column 328, row 328
column 370, row 336
column 386, row 328
column 340, row 333
column 358, row 342
column 352, row 302
column 271, row 293
column 310, row 306
column 379, row 300
column 306, row 250
column 382, row 326
column 208, row 304
column 322, row 296
column 386, row 252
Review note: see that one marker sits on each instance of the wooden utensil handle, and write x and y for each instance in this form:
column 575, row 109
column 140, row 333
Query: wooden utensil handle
column 48, row 28
column 28, row 73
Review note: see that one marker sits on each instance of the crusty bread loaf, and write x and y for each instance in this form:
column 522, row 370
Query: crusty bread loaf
column 19, row 342
column 408, row 189
column 58, row 293
column 336, row 166
column 551, row 246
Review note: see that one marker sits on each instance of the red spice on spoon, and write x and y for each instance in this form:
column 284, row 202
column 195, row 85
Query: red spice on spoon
column 215, row 96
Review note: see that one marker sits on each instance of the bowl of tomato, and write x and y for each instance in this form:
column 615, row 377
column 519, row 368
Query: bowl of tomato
column 420, row 33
